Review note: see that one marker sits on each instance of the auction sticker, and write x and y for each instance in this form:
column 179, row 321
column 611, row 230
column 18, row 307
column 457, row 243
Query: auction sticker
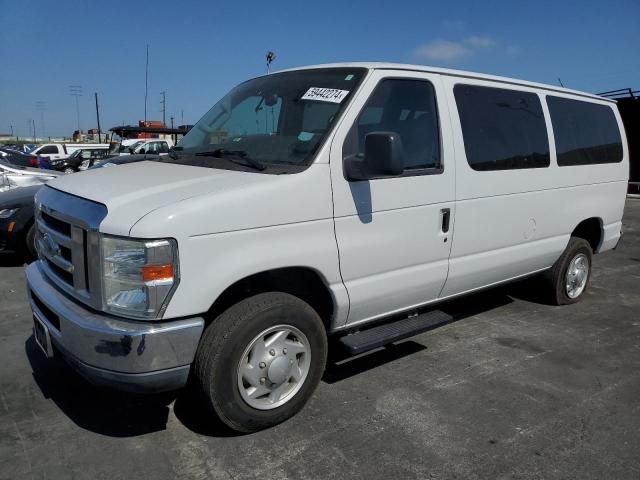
column 332, row 95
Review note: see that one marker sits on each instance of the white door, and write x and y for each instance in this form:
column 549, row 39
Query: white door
column 506, row 187
column 394, row 234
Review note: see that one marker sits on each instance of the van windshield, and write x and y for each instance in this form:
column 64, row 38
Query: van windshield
column 272, row 121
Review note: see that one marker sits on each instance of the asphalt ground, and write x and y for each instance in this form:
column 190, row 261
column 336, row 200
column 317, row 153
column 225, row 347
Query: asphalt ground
column 514, row 388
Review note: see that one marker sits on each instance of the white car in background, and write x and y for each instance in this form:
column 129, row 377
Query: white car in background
column 153, row 146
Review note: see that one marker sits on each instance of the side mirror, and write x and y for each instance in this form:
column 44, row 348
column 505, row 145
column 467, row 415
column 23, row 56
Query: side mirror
column 383, row 157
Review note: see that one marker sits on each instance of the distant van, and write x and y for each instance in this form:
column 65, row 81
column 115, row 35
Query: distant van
column 341, row 200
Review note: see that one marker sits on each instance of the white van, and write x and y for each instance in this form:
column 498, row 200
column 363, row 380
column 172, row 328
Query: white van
column 344, row 200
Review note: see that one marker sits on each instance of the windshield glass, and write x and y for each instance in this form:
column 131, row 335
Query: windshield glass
column 125, row 148
column 278, row 119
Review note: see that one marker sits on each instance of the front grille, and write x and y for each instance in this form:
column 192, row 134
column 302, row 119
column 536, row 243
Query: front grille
column 60, row 272
column 56, row 224
column 67, row 242
column 46, row 311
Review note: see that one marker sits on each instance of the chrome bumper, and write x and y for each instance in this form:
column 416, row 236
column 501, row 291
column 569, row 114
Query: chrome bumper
column 125, row 354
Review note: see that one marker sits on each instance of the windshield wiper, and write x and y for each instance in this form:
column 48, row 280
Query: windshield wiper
column 231, row 154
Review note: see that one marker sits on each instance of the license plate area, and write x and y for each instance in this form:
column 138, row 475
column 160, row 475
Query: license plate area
column 41, row 335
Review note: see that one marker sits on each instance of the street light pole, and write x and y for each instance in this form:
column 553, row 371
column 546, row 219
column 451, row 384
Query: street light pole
column 146, row 83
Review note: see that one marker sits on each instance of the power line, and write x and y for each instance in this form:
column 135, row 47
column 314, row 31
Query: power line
column 76, row 91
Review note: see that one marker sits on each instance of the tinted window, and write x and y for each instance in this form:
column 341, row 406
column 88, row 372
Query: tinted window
column 408, row 108
column 502, row 129
column 585, row 133
column 48, row 150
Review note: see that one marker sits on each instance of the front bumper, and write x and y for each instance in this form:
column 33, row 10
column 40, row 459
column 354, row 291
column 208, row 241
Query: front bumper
column 125, row 354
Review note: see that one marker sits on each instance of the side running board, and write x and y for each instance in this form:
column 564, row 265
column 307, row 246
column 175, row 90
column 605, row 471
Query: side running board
column 378, row 336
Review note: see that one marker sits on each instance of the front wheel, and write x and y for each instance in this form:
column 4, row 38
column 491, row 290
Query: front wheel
column 571, row 273
column 30, row 243
column 260, row 361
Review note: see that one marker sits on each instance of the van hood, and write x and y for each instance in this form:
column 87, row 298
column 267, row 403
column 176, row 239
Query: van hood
column 132, row 191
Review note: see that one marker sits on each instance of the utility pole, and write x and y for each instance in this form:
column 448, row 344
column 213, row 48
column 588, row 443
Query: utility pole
column 171, row 123
column 146, row 83
column 11, row 126
column 164, row 106
column 560, row 81
column 98, row 117
column 76, row 91
column 182, row 117
column 34, row 130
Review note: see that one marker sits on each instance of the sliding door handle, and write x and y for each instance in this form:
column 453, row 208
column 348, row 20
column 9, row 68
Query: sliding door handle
column 446, row 219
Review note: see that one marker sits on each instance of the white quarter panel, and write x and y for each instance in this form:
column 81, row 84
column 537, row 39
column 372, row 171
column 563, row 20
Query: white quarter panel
column 393, row 254
column 513, row 222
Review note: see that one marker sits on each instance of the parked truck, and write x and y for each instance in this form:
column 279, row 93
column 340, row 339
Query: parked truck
column 58, row 151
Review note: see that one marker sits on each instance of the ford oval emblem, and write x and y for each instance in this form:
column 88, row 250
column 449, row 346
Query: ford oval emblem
column 49, row 245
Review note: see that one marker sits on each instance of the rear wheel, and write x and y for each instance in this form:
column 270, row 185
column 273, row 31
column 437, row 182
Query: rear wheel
column 260, row 361
column 571, row 273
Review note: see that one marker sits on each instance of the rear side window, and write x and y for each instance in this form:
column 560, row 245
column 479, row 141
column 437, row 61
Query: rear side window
column 585, row 133
column 49, row 150
column 502, row 129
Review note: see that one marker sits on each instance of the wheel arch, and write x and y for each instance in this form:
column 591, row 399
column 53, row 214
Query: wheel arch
column 303, row 282
column 591, row 230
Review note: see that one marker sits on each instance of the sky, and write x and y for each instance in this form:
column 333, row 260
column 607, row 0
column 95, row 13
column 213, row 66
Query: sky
column 200, row 50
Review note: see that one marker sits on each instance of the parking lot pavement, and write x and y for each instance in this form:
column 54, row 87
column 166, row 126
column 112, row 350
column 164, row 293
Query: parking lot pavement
column 513, row 389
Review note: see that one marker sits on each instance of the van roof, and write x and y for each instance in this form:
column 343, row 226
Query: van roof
column 451, row 72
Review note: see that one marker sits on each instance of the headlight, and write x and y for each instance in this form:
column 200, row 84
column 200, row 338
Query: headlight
column 139, row 276
column 7, row 212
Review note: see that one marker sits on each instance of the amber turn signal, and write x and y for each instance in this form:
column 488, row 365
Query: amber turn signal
column 157, row 272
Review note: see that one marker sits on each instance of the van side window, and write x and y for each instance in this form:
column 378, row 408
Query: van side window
column 585, row 133
column 408, row 108
column 502, row 129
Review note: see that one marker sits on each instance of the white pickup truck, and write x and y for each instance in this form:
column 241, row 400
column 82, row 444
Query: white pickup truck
column 57, row 151
column 343, row 200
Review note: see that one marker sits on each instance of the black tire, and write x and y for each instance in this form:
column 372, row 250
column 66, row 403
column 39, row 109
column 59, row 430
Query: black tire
column 558, row 273
column 224, row 342
column 30, row 243
column 68, row 170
